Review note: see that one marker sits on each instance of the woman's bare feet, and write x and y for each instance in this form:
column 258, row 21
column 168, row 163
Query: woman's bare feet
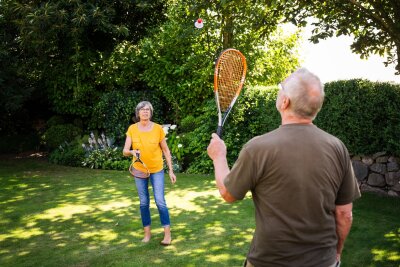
column 167, row 236
column 147, row 234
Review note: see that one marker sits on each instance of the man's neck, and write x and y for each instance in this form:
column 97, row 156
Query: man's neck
column 295, row 120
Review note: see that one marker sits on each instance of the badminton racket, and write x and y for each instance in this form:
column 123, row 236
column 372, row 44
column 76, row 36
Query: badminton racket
column 229, row 76
column 137, row 168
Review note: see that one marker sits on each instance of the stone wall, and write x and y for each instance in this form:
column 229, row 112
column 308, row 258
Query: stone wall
column 379, row 173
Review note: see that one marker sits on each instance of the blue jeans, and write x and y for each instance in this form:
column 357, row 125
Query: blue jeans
column 142, row 186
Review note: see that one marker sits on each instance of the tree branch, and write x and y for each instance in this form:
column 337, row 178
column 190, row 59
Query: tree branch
column 386, row 23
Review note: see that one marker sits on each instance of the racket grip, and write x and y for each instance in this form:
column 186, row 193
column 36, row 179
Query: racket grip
column 219, row 131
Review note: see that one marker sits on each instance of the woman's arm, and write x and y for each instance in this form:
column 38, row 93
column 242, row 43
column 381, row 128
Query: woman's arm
column 127, row 148
column 168, row 158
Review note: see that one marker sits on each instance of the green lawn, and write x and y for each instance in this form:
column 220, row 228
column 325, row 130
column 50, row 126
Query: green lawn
column 59, row 216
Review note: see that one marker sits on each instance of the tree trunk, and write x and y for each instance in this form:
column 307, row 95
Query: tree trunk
column 227, row 32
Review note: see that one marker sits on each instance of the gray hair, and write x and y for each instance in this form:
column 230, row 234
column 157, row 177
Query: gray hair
column 142, row 105
column 306, row 93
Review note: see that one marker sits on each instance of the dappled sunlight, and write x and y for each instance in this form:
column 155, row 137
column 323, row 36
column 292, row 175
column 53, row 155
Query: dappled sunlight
column 216, row 228
column 185, row 200
column 392, row 236
column 81, row 217
column 23, row 253
column 22, row 233
column 218, row 258
column 63, row 212
column 22, row 186
column 384, row 255
column 99, row 235
column 114, row 205
column 14, row 199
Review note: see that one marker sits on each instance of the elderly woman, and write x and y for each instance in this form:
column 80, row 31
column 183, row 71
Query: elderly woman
column 148, row 139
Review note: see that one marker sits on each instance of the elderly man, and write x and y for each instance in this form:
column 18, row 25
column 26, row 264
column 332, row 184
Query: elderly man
column 301, row 180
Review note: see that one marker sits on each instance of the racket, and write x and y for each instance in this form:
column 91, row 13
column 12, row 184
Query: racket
column 229, row 75
column 138, row 169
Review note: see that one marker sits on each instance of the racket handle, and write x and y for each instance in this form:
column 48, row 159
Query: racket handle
column 219, row 131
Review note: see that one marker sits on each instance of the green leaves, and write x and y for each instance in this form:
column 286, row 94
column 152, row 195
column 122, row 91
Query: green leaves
column 363, row 114
column 372, row 23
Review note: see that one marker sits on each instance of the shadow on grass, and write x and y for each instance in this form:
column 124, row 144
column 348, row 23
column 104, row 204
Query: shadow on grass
column 59, row 216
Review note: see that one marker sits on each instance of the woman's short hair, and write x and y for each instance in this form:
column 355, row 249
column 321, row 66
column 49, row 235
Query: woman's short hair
column 306, row 93
column 142, row 105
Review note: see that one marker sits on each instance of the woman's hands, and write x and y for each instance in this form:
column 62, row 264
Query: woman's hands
column 172, row 176
column 135, row 152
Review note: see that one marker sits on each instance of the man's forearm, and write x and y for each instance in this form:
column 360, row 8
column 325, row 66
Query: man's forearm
column 344, row 219
column 221, row 171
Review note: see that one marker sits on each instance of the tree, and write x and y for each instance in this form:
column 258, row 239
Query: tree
column 375, row 24
column 58, row 42
column 178, row 59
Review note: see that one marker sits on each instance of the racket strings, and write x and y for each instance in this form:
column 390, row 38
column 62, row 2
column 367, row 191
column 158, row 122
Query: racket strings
column 230, row 74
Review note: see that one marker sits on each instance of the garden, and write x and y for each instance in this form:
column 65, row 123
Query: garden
column 54, row 215
column 72, row 74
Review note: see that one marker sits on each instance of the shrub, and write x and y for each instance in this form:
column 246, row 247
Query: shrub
column 114, row 112
column 69, row 154
column 363, row 114
column 102, row 154
column 58, row 134
column 175, row 146
column 254, row 114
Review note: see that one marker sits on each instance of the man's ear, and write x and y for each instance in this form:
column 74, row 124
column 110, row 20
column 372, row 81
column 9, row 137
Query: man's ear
column 285, row 103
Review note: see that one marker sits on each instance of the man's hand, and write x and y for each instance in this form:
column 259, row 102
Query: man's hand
column 217, row 148
column 217, row 152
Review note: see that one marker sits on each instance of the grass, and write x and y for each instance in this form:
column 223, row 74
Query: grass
column 59, row 216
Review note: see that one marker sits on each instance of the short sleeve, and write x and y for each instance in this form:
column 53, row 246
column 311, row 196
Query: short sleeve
column 129, row 132
column 348, row 190
column 162, row 133
column 240, row 179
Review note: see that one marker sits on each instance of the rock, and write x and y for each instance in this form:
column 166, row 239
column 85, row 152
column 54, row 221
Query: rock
column 360, row 170
column 382, row 159
column 367, row 160
column 376, row 179
column 378, row 154
column 392, row 166
column 396, row 187
column 392, row 178
column 367, row 188
column 378, row 167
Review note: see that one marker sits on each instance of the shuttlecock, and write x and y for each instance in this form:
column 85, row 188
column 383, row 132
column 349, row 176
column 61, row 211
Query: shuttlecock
column 199, row 23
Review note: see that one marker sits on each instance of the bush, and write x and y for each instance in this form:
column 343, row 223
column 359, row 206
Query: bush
column 254, row 114
column 363, row 114
column 102, row 154
column 58, row 134
column 68, row 154
column 114, row 112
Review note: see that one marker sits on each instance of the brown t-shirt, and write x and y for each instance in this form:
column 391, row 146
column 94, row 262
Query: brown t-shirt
column 297, row 174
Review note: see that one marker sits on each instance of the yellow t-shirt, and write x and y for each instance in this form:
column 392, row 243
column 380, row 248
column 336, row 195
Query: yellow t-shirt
column 149, row 145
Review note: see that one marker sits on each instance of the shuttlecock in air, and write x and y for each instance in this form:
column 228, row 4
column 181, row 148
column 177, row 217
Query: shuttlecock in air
column 199, row 23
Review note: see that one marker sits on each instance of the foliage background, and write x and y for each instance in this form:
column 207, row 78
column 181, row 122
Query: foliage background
column 90, row 63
